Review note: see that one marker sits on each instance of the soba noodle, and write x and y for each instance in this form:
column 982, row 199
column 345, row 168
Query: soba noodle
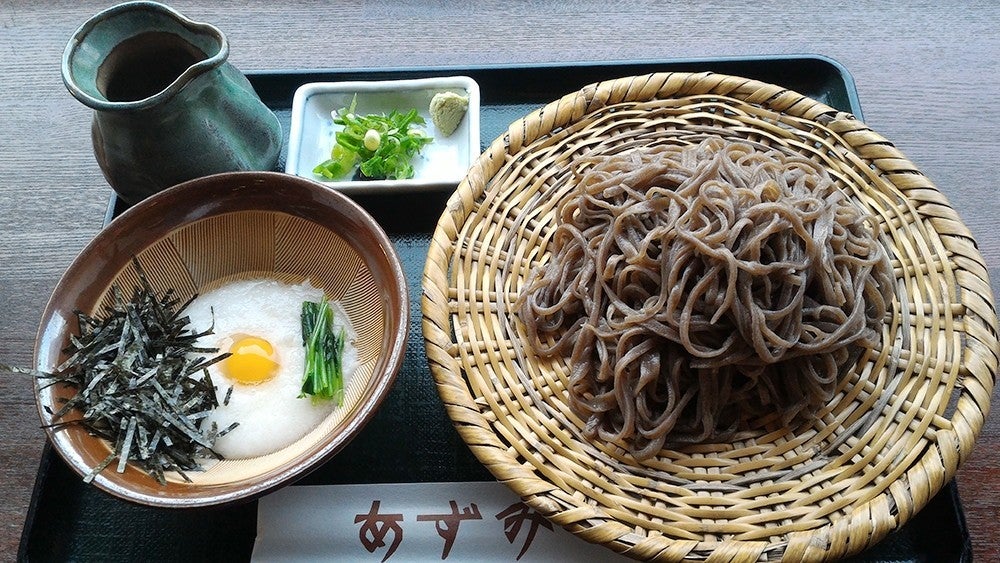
column 698, row 288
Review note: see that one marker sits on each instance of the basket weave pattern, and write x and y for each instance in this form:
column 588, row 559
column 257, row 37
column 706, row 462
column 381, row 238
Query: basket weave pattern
column 894, row 433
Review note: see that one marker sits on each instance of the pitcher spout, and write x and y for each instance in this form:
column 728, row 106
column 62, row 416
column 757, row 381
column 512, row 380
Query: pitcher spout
column 133, row 55
column 168, row 106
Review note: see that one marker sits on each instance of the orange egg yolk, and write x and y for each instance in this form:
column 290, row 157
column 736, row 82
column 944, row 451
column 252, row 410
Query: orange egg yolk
column 252, row 361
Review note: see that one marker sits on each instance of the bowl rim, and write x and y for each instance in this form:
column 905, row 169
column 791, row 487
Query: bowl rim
column 146, row 215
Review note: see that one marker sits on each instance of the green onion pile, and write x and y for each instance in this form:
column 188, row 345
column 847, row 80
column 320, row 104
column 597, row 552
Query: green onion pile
column 384, row 145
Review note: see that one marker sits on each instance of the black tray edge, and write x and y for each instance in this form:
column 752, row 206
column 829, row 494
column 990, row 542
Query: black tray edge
column 388, row 73
column 950, row 489
column 375, row 72
column 36, row 493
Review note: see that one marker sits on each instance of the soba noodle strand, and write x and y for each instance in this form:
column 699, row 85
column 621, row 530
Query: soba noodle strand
column 696, row 289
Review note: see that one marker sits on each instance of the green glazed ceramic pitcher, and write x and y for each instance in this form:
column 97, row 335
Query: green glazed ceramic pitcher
column 167, row 105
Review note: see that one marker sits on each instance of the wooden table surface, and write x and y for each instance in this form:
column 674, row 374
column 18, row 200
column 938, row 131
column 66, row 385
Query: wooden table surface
column 928, row 76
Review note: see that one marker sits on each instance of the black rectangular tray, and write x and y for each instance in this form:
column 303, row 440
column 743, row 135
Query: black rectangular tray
column 68, row 520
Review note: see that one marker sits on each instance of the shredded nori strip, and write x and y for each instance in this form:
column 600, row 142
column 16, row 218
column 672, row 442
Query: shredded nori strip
column 141, row 384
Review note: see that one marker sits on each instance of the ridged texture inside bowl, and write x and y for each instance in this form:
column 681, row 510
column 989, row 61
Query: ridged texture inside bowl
column 197, row 235
column 893, row 434
column 255, row 244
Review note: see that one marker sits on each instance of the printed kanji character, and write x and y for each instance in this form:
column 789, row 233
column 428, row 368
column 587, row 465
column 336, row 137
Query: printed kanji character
column 513, row 518
column 447, row 524
column 375, row 527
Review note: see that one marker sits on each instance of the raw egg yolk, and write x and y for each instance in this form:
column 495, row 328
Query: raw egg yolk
column 252, row 361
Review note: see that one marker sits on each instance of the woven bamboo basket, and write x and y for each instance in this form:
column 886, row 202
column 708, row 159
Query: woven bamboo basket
column 896, row 430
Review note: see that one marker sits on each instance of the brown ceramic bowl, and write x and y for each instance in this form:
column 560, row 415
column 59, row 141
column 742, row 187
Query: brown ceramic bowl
column 227, row 227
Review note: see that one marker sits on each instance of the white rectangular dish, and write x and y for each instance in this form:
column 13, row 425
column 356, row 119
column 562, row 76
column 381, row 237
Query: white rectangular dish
column 440, row 165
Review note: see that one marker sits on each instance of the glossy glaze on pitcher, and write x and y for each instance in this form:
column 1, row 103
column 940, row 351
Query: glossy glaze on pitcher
column 168, row 107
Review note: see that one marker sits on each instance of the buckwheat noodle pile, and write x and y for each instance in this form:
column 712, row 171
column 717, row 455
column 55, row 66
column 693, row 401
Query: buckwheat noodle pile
column 698, row 288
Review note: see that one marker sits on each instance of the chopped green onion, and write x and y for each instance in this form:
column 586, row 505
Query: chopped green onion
column 385, row 145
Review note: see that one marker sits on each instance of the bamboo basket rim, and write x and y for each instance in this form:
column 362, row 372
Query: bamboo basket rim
column 600, row 498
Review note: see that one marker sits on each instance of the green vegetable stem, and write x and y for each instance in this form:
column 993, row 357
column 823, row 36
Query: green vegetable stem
column 324, row 370
column 383, row 144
